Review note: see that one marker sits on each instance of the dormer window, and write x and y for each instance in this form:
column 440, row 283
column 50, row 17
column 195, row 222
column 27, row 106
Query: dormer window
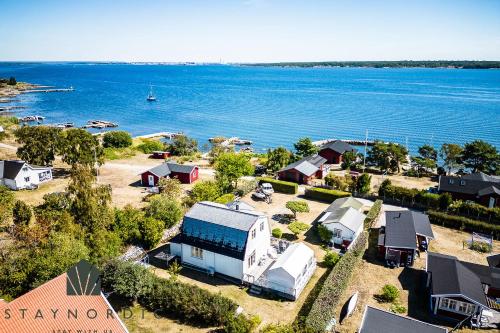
column 462, row 183
column 254, row 233
column 451, row 181
column 261, row 226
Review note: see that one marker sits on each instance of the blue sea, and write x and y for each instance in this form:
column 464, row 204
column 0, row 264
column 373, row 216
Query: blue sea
column 271, row 106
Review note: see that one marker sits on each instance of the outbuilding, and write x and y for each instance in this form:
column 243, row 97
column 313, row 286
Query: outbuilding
column 333, row 151
column 304, row 170
column 290, row 273
column 186, row 174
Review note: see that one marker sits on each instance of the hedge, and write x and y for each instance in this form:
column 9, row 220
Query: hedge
column 324, row 194
column 476, row 211
column 187, row 302
column 225, row 199
column 463, row 223
column 337, row 281
column 280, row 185
column 373, row 214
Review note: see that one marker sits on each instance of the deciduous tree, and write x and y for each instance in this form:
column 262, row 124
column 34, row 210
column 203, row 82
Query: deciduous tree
column 77, row 146
column 229, row 167
column 38, row 144
column 277, row 158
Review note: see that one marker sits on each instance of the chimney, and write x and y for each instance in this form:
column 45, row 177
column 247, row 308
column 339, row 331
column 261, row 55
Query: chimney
column 237, row 205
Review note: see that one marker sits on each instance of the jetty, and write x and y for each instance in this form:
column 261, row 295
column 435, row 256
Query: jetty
column 48, row 90
column 29, row 119
column 12, row 108
column 320, row 143
column 62, row 125
column 100, row 124
column 168, row 135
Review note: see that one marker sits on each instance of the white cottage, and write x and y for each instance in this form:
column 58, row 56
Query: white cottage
column 345, row 220
column 18, row 175
column 221, row 240
column 291, row 272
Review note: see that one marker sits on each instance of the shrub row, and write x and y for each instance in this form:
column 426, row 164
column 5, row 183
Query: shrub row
column 476, row 211
column 373, row 214
column 187, row 302
column 324, row 194
column 280, row 185
column 414, row 197
column 337, row 281
column 463, row 223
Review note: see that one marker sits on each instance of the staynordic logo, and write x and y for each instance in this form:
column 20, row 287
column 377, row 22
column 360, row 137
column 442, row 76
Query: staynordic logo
column 83, row 279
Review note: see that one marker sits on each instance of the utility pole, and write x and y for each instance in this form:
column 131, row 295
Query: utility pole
column 366, row 144
column 96, row 166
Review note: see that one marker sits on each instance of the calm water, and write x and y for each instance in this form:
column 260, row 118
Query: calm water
column 273, row 106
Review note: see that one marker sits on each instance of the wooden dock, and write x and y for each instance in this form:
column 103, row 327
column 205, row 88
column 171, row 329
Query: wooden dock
column 351, row 142
column 48, row 90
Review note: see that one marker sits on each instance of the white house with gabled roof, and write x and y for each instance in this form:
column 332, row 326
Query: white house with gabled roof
column 19, row 175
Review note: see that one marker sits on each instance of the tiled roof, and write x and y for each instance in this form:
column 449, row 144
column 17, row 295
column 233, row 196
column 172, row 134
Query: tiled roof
column 52, row 296
column 308, row 165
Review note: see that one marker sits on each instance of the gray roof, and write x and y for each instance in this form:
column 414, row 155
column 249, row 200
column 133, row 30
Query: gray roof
column 215, row 213
column 338, row 146
column 449, row 276
column 488, row 275
column 474, row 184
column 347, row 216
column 345, row 202
column 380, row 321
column 12, row 168
column 167, row 168
column 239, row 205
column 494, row 260
column 402, row 227
column 308, row 165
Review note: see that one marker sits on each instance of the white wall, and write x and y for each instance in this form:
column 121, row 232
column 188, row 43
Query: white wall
column 260, row 244
column 347, row 234
column 26, row 171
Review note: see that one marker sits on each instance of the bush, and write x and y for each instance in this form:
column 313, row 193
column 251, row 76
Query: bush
column 277, row 233
column 476, row 211
column 168, row 296
column 389, row 293
column 280, row 328
column 205, row 190
column 117, row 139
column 280, row 185
column 324, row 194
column 151, row 231
column 323, row 308
column 480, row 247
column 298, row 227
column 330, row 259
column 21, row 213
column 324, row 233
column 463, row 223
column 241, row 324
column 398, row 308
column 373, row 214
column 225, row 199
column 297, row 207
column 149, row 146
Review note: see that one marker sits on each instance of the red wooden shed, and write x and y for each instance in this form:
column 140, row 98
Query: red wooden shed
column 185, row 173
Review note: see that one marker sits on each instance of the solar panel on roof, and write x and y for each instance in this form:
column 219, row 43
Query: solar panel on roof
column 209, row 232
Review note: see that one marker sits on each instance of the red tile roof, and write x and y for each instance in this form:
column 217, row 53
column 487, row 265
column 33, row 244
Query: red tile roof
column 39, row 305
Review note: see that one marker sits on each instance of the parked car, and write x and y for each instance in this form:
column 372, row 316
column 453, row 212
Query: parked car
column 267, row 188
column 260, row 170
column 258, row 196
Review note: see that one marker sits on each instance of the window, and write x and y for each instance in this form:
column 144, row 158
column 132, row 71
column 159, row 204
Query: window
column 254, row 232
column 462, row 183
column 466, row 307
column 196, row 252
column 451, row 181
column 27, row 179
column 337, row 233
column 251, row 259
column 448, row 304
column 304, row 271
column 261, row 226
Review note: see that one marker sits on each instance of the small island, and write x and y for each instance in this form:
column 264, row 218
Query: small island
column 462, row 64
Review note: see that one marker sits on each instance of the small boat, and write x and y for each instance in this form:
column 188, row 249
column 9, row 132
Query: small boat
column 349, row 307
column 151, row 97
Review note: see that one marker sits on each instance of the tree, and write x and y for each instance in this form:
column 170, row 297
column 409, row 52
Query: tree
column 427, row 151
column 304, row 147
column 298, row 227
column 297, row 207
column 451, row 153
column 127, row 279
column 349, row 159
column 39, row 144
column 277, row 158
column 117, row 139
column 324, row 233
column 204, row 191
column 21, row 214
column 445, row 200
column 217, row 149
column 387, row 156
column 6, row 204
column 151, row 231
column 363, row 183
column 345, row 183
column 229, row 167
column 427, row 159
column 479, row 155
column 182, row 146
column 164, row 209
column 127, row 222
column 77, row 146
column 170, row 188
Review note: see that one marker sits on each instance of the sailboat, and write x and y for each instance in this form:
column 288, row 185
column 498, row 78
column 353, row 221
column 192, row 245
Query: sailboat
column 151, row 97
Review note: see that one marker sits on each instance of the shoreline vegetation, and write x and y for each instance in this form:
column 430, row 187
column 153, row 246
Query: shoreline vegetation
column 458, row 64
column 10, row 89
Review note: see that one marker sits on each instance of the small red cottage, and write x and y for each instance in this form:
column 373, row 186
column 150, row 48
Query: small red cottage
column 304, row 170
column 334, row 150
column 185, row 173
column 160, row 154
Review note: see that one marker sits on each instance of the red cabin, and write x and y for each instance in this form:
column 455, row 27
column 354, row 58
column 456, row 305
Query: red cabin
column 305, row 170
column 334, row 150
column 186, row 174
column 160, row 154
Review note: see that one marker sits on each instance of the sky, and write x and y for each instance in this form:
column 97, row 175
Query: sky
column 248, row 30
